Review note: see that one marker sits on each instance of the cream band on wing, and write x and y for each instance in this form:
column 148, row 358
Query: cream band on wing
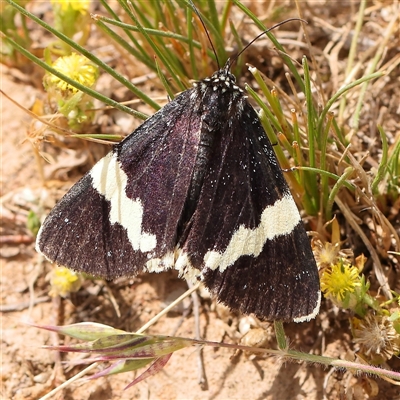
column 110, row 181
column 276, row 220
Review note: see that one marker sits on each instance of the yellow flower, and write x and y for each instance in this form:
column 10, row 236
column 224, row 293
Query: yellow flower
column 77, row 5
column 64, row 281
column 76, row 67
column 340, row 280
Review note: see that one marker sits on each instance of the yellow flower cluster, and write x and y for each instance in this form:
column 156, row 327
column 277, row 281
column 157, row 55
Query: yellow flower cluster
column 76, row 5
column 340, row 280
column 76, row 67
column 64, row 281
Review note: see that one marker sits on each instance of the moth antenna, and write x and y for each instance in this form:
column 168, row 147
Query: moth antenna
column 261, row 34
column 206, row 31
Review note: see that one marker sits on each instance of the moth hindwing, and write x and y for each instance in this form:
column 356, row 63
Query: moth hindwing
column 196, row 188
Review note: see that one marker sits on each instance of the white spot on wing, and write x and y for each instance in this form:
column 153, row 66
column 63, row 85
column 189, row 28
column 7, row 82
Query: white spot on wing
column 177, row 259
column 184, row 266
column 278, row 219
column 110, row 181
column 161, row 264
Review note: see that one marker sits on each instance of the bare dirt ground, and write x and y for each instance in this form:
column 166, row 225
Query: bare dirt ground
column 29, row 372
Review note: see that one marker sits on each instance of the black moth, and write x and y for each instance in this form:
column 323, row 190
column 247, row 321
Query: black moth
column 196, row 188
